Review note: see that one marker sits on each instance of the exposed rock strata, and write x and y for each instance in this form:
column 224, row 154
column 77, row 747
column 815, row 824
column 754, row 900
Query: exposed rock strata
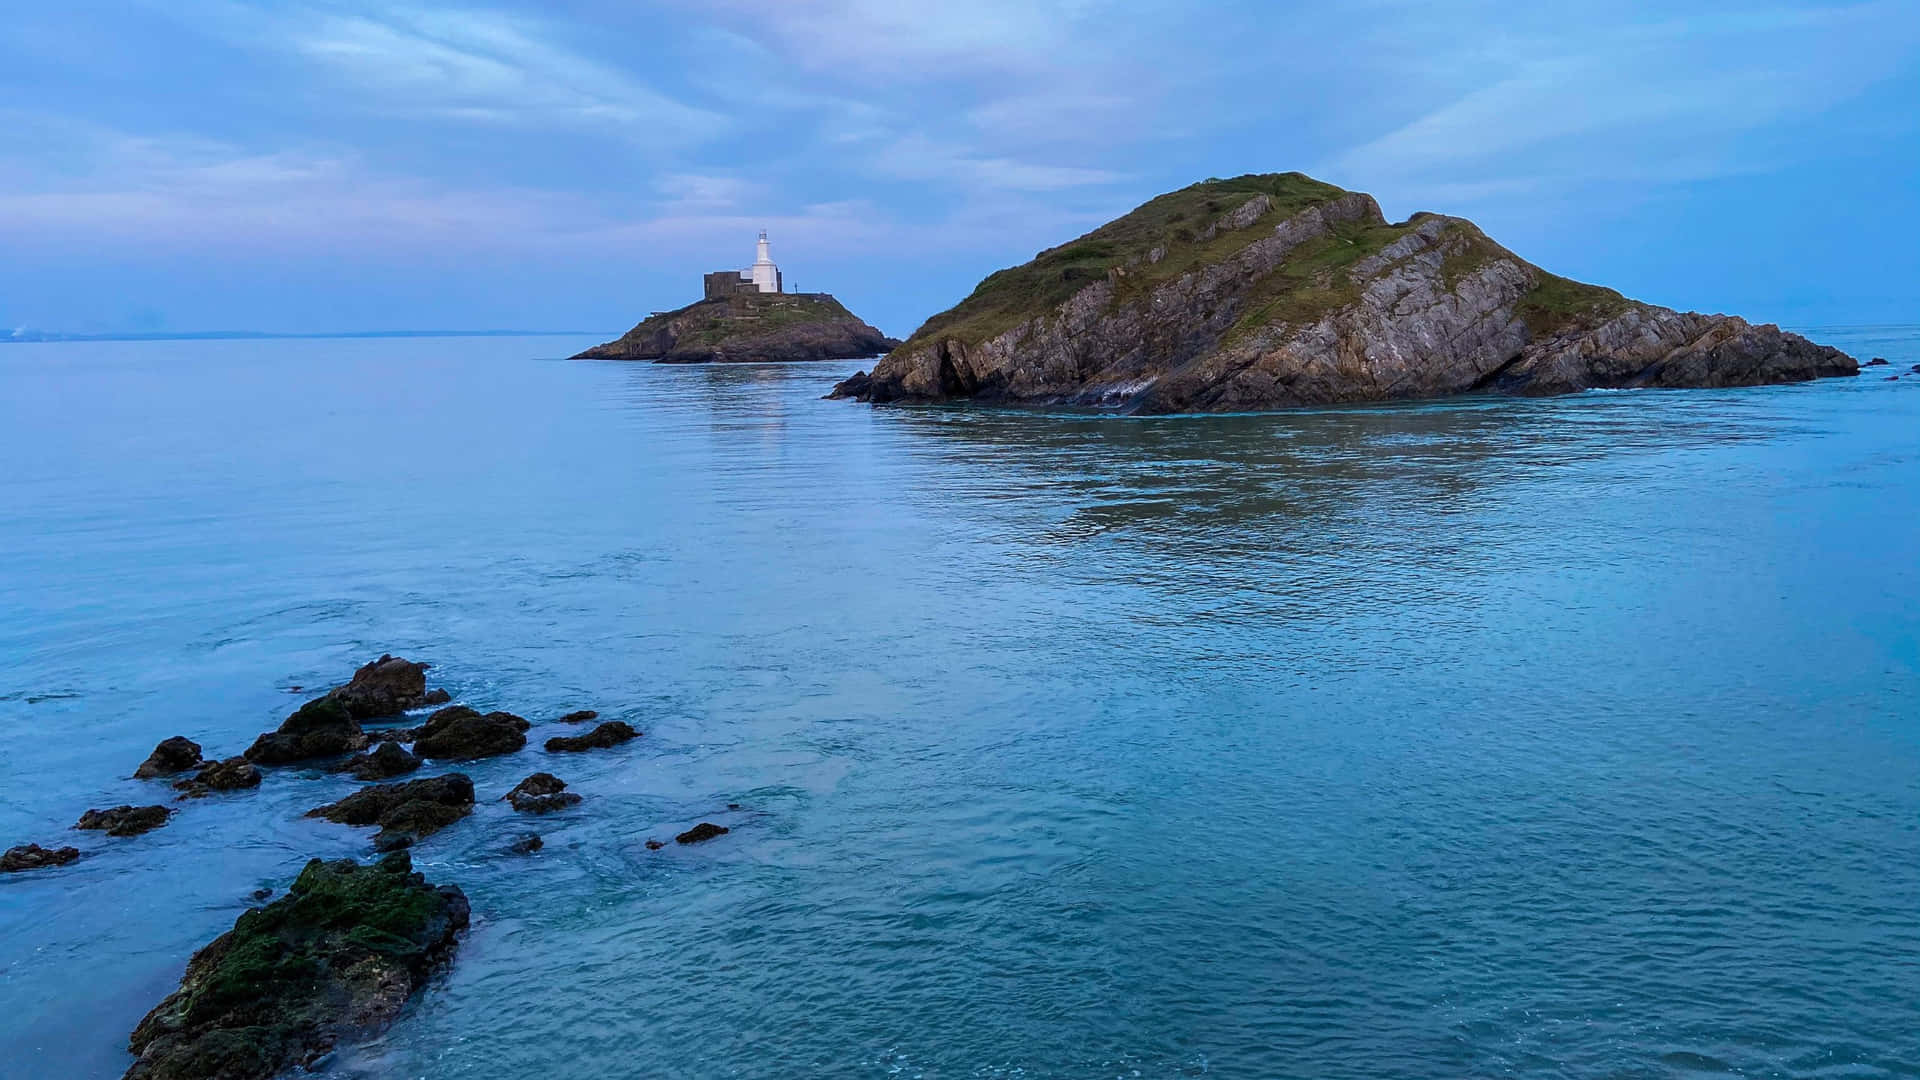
column 748, row 327
column 406, row 812
column 1273, row 291
column 334, row 959
column 612, row 733
column 124, row 820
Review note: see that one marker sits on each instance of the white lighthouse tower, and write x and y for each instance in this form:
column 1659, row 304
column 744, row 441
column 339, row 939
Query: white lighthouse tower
column 765, row 275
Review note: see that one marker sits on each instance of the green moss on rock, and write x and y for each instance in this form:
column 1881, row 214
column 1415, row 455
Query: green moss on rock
column 336, row 957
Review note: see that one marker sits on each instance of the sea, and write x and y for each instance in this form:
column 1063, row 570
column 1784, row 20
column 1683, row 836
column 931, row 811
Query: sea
column 1572, row 737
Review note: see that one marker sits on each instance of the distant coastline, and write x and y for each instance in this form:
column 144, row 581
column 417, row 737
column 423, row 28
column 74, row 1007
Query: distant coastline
column 41, row 337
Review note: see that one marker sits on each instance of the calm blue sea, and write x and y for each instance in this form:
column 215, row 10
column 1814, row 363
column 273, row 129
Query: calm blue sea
column 1550, row 738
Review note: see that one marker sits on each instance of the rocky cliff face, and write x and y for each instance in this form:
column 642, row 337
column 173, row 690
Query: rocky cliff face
column 749, row 327
column 1271, row 291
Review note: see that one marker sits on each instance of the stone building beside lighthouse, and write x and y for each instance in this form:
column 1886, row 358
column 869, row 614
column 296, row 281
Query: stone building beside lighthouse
column 762, row 277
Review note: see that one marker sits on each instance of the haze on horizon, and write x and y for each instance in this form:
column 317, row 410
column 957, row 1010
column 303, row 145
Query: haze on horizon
column 342, row 166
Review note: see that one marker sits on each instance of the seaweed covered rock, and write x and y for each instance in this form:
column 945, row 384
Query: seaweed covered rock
column 174, row 755
column 233, row 774
column 323, row 727
column 334, row 959
column 125, row 820
column 405, row 812
column 459, row 733
column 541, row 793
column 611, row 733
column 704, row 831
column 383, row 762
column 35, row 857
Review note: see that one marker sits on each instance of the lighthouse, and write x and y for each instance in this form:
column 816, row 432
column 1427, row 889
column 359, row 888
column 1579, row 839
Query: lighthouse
column 765, row 275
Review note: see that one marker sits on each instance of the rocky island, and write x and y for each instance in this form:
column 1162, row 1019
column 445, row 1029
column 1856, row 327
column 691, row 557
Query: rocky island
column 1268, row 291
column 747, row 317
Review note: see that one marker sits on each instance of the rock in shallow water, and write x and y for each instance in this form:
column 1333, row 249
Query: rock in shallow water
column 706, row 830
column 383, row 762
column 321, row 728
column 405, row 812
column 541, row 793
column 174, row 755
column 335, row 958
column 124, row 820
column 458, row 733
column 233, row 774
column 35, row 857
column 580, row 716
column 526, row 845
column 611, row 733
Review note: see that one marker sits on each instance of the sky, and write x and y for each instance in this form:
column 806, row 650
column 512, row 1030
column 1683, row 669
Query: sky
column 183, row 165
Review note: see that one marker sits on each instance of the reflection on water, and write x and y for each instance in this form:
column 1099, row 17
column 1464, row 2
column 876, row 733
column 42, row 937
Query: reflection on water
column 1566, row 737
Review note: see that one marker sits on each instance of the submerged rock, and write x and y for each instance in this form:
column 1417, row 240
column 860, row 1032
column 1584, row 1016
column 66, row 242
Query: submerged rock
column 706, row 830
column 35, row 857
column 611, row 733
column 323, row 727
column 1878, row 361
column 174, row 755
column 654, row 845
column 383, row 762
column 233, row 774
column 125, row 820
column 1271, row 291
column 580, row 717
column 334, row 959
column 462, row 734
column 406, row 811
column 541, row 793
column 526, row 845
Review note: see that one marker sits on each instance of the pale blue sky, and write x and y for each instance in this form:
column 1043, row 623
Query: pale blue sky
column 226, row 164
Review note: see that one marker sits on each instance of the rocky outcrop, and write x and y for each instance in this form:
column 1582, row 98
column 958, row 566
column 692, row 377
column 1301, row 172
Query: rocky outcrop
column 611, row 733
column 233, row 774
column 383, row 762
column 458, row 733
column 748, row 328
column 580, row 716
column 334, row 959
column 406, row 812
column 125, row 820
column 541, row 793
column 1272, row 291
column 174, row 755
column 35, row 857
column 323, row 727
column 388, row 686
column 702, row 832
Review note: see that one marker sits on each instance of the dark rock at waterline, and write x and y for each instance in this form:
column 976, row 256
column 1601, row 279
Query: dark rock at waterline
column 405, row 811
column 611, row 733
column 706, row 830
column 383, row 762
column 35, row 857
column 385, row 687
column 748, row 327
column 336, row 958
column 526, row 845
column 858, row 385
column 580, row 717
column 233, row 774
column 125, row 820
column 462, row 734
column 435, row 697
column 262, row 892
column 174, row 755
column 541, row 793
column 323, row 727
column 654, row 845
column 1878, row 361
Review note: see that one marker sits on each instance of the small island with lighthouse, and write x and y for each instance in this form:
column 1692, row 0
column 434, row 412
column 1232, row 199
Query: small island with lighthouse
column 746, row 316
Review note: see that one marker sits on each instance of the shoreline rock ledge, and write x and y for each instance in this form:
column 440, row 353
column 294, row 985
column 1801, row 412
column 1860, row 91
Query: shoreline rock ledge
column 1277, row 290
column 749, row 327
